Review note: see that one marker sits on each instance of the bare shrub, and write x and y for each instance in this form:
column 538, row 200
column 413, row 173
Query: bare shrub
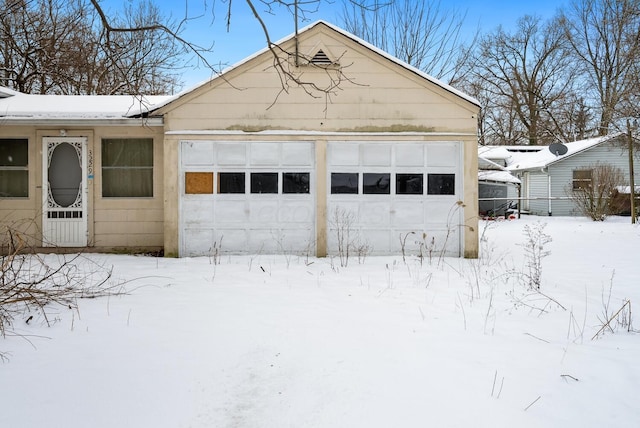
column 534, row 250
column 593, row 196
column 31, row 284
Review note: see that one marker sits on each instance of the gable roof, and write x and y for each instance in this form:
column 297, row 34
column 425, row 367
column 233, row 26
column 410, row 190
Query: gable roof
column 340, row 31
column 521, row 158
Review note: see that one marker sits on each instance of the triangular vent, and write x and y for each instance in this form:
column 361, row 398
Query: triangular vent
column 321, row 58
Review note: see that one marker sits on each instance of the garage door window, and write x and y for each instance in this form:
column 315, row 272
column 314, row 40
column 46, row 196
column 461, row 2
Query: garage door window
column 264, row 182
column 295, row 182
column 441, row 184
column 376, row 183
column 409, row 184
column 344, row 182
column 127, row 167
column 231, row 182
column 14, row 168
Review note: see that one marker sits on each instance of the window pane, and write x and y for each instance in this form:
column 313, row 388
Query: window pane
column 409, row 184
column 295, row 182
column 581, row 179
column 264, row 182
column 127, row 167
column 14, row 169
column 127, row 152
column 376, row 183
column 14, row 152
column 14, row 184
column 127, row 183
column 344, row 182
column 231, row 182
column 441, row 184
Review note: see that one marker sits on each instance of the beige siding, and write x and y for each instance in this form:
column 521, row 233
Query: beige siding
column 112, row 222
column 374, row 97
column 372, row 94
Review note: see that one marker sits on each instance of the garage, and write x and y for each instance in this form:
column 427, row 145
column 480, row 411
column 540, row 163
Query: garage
column 247, row 197
column 387, row 195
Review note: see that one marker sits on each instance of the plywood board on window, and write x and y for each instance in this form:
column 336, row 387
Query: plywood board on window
column 198, row 183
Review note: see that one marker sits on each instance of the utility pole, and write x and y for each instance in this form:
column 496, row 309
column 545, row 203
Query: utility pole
column 632, row 189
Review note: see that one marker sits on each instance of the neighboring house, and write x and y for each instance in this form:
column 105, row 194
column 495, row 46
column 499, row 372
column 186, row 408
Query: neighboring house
column 239, row 164
column 498, row 189
column 548, row 178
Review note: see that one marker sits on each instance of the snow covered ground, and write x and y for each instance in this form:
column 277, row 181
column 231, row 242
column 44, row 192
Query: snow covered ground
column 277, row 341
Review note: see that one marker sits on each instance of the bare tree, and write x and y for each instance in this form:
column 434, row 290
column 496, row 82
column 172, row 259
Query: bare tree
column 605, row 40
column 420, row 33
column 525, row 75
column 55, row 47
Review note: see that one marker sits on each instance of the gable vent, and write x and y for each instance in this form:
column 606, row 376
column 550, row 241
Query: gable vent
column 321, row 58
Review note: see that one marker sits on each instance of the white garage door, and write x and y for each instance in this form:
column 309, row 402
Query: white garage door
column 382, row 193
column 247, row 197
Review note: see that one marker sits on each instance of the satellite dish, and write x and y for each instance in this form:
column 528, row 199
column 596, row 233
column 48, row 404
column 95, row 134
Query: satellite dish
column 558, row 149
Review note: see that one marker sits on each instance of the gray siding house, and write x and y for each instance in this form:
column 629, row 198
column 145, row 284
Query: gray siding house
column 548, row 178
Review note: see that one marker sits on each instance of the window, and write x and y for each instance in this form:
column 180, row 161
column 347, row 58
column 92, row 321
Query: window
column 409, row 184
column 376, row 183
column 581, row 179
column 344, row 182
column 14, row 168
column 264, row 182
column 127, row 168
column 295, row 182
column 441, row 184
column 231, row 182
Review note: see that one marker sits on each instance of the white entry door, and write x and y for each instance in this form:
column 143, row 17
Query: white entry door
column 64, row 189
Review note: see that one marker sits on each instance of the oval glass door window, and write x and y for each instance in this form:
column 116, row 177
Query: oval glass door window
column 65, row 175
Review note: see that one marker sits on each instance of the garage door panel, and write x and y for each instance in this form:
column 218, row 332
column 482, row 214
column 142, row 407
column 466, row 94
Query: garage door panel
column 200, row 241
column 264, row 240
column 265, row 154
column 443, row 154
column 263, row 211
column 297, row 240
column 344, row 154
column 408, row 213
column 376, row 155
column 232, row 240
column 231, row 154
column 197, row 153
column 297, row 154
column 372, row 213
column 230, row 211
column 249, row 222
column 376, row 241
column 408, row 155
column 442, row 211
column 197, row 210
column 381, row 219
column 444, row 238
column 296, row 212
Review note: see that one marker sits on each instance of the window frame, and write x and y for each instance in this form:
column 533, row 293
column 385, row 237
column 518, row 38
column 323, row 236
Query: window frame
column 128, row 168
column 345, row 174
column 451, row 189
column 18, row 171
column 579, row 184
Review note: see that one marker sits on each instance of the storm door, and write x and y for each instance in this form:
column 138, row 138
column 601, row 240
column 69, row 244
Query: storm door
column 64, row 189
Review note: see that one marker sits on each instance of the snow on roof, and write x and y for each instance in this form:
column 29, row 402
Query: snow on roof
column 518, row 158
column 344, row 33
column 16, row 105
column 491, row 171
column 497, row 176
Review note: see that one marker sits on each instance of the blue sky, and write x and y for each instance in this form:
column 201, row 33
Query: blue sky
column 245, row 35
